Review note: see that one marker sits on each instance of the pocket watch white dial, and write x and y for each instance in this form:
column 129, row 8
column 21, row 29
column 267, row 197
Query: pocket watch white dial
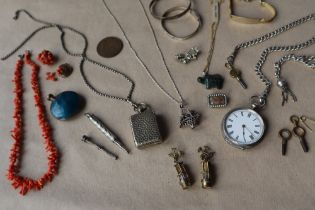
column 243, row 128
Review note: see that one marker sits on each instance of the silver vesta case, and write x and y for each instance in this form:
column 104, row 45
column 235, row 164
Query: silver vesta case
column 145, row 129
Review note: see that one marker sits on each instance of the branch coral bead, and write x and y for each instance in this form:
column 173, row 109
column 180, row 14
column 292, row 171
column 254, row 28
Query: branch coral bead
column 25, row 184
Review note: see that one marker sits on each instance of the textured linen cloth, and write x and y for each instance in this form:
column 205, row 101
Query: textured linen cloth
column 258, row 178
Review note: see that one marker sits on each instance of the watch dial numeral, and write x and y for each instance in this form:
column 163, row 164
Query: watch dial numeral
column 231, row 120
column 229, row 126
column 242, row 114
column 249, row 114
column 251, row 137
column 256, row 132
column 230, row 133
column 257, row 126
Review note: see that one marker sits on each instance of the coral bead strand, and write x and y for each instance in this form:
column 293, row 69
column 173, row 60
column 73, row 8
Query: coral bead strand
column 25, row 184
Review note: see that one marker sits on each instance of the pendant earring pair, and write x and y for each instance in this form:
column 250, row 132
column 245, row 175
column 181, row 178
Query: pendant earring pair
column 207, row 171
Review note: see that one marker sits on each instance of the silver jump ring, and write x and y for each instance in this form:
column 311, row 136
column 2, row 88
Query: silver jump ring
column 192, row 12
column 257, row 102
column 169, row 17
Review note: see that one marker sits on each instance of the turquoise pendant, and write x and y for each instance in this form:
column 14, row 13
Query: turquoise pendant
column 66, row 105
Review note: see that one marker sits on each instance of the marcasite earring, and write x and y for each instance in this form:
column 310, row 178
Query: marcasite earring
column 207, row 171
column 184, row 178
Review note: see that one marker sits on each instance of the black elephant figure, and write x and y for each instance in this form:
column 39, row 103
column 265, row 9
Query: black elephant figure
column 211, row 81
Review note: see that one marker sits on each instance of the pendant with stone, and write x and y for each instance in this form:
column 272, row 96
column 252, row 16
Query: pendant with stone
column 66, row 105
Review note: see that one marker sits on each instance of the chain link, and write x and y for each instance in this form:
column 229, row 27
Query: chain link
column 308, row 61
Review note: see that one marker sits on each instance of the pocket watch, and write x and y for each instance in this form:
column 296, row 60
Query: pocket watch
column 244, row 127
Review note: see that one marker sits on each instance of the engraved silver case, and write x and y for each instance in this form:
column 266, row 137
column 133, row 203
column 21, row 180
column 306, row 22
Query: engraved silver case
column 145, row 129
column 234, row 143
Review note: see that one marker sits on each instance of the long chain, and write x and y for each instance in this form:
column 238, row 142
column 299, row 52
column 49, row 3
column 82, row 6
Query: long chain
column 231, row 58
column 82, row 55
column 141, row 61
column 214, row 27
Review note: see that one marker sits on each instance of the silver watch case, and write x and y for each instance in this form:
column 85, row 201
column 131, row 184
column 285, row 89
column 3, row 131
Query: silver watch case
column 231, row 141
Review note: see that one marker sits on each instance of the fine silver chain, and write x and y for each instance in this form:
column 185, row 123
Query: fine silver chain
column 180, row 102
column 308, row 61
column 266, row 52
column 82, row 55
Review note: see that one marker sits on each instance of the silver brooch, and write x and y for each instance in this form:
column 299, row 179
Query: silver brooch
column 217, row 100
column 186, row 57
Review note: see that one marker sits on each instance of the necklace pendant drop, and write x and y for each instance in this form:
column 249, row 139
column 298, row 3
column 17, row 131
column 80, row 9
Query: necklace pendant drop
column 188, row 117
column 66, row 105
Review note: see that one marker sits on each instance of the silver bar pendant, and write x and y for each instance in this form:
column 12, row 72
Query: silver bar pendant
column 145, row 129
column 109, row 134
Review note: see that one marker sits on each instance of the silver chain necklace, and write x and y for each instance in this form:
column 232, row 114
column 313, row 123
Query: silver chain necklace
column 188, row 117
column 308, row 61
column 230, row 60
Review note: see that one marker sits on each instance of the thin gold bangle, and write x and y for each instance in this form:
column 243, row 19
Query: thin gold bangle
column 169, row 17
column 247, row 20
column 192, row 12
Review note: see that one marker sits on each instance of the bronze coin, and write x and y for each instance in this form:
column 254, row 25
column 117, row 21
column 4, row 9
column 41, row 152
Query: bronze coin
column 109, row 47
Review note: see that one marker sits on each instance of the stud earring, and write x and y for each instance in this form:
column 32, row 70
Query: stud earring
column 207, row 170
column 182, row 173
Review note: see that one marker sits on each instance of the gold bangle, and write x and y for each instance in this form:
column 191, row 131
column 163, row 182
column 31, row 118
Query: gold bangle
column 247, row 20
column 192, row 12
column 169, row 17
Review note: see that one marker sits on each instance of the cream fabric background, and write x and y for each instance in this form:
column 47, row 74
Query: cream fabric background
column 259, row 178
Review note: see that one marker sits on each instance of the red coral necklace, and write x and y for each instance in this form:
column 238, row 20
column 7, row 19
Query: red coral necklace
column 24, row 183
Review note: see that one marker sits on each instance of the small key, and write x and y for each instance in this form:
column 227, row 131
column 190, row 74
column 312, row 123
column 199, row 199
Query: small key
column 285, row 135
column 300, row 133
column 237, row 75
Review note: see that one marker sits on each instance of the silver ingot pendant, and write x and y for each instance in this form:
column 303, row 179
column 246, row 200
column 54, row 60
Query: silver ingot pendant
column 145, row 128
column 188, row 117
